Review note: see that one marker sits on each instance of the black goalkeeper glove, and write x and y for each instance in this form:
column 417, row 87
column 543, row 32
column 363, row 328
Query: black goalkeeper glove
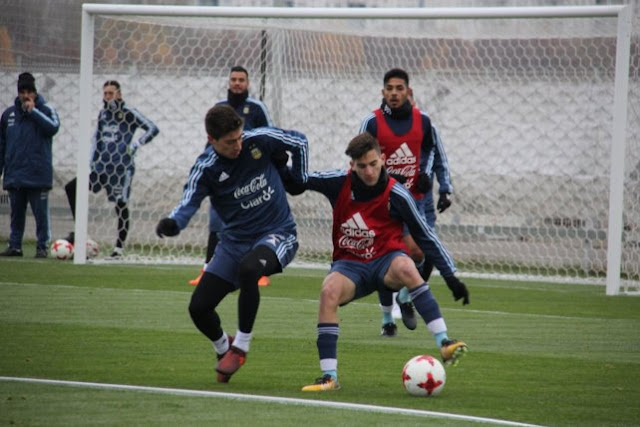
column 279, row 159
column 443, row 202
column 424, row 183
column 167, row 227
column 458, row 289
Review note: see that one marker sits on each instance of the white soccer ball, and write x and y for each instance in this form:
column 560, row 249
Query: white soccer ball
column 92, row 248
column 424, row 376
column 62, row 249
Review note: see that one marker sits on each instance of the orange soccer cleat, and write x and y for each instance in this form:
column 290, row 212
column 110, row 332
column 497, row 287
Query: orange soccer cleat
column 195, row 281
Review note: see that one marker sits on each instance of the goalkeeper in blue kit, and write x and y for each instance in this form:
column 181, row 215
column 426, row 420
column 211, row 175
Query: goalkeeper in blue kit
column 113, row 157
column 259, row 237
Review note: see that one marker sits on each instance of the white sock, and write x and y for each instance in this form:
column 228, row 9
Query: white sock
column 222, row 344
column 242, row 341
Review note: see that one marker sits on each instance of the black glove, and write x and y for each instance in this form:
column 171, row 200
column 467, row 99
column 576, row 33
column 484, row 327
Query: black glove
column 167, row 227
column 458, row 289
column 443, row 202
column 424, row 183
column 279, row 159
column 400, row 178
column 290, row 185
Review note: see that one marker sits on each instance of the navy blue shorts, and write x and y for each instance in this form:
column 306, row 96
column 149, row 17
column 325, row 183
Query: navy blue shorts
column 229, row 253
column 367, row 276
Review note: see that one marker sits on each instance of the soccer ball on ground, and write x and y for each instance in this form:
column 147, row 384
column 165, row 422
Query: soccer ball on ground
column 92, row 248
column 62, row 249
column 424, row 375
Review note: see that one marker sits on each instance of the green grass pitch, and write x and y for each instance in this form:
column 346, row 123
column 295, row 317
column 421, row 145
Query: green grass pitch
column 540, row 353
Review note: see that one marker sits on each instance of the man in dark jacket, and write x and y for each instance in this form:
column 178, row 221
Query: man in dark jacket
column 26, row 131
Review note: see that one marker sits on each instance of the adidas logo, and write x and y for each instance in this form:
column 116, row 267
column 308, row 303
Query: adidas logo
column 223, row 176
column 356, row 227
column 402, row 156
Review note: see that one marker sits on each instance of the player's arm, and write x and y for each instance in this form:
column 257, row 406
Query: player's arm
column 369, row 125
column 291, row 141
column 46, row 119
column 403, row 206
column 150, row 128
column 195, row 190
column 262, row 115
column 427, row 156
column 441, row 169
column 328, row 183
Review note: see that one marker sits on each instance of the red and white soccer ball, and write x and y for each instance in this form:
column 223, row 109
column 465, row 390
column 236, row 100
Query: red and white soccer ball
column 62, row 249
column 92, row 248
column 424, row 376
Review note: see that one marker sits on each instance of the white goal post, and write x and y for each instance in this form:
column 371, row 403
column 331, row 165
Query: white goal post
column 574, row 92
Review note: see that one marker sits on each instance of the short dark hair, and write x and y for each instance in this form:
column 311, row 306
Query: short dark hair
column 239, row 68
column 361, row 145
column 112, row 83
column 220, row 120
column 396, row 72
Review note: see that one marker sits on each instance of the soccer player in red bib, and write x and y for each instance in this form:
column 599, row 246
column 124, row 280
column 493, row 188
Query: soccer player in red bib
column 370, row 209
column 413, row 155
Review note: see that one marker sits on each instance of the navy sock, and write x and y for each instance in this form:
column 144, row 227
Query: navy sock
column 425, row 303
column 328, row 340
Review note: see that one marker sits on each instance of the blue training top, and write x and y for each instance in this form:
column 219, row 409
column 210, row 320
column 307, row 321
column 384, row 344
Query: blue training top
column 246, row 192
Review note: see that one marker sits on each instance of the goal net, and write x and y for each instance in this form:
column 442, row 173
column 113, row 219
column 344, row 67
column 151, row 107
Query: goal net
column 524, row 106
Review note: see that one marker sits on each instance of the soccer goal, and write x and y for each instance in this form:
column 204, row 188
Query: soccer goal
column 532, row 104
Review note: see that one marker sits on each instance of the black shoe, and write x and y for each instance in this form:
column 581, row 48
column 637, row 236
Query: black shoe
column 408, row 314
column 11, row 252
column 389, row 330
column 41, row 253
column 117, row 253
column 71, row 237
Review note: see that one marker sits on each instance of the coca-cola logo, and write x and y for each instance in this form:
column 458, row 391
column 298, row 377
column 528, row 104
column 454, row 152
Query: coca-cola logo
column 347, row 242
column 404, row 171
column 255, row 185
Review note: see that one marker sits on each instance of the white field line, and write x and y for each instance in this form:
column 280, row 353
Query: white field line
column 269, row 399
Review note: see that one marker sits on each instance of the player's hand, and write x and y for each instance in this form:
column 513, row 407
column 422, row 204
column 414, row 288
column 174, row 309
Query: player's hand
column 424, row 183
column 400, row 178
column 167, row 227
column 290, row 185
column 132, row 148
column 443, row 202
column 458, row 289
column 280, row 158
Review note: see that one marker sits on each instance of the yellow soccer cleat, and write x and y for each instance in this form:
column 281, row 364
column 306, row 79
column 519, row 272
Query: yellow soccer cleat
column 325, row 383
column 452, row 350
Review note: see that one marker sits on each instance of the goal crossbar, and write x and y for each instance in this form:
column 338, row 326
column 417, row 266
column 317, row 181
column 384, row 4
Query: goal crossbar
column 361, row 13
